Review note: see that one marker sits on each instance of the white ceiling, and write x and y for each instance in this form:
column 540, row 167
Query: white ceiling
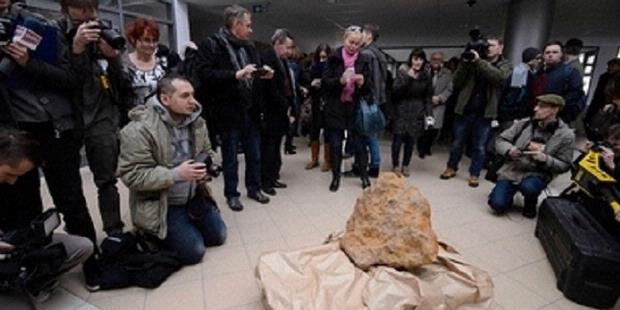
column 407, row 22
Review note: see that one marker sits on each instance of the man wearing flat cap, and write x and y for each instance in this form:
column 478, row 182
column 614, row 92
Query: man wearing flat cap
column 535, row 151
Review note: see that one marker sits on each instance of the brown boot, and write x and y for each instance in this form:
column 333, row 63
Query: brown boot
column 327, row 158
column 314, row 151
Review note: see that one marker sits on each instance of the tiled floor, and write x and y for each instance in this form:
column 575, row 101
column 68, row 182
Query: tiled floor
column 304, row 214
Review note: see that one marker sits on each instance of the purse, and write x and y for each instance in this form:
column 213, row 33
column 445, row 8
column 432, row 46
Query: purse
column 369, row 120
column 201, row 204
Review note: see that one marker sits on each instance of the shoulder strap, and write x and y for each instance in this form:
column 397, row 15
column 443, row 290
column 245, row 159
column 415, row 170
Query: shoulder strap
column 525, row 124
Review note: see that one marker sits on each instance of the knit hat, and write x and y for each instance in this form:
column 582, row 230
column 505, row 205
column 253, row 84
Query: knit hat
column 529, row 54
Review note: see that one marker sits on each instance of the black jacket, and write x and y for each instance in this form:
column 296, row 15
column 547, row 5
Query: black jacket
column 229, row 103
column 92, row 101
column 49, row 83
column 275, row 103
column 339, row 115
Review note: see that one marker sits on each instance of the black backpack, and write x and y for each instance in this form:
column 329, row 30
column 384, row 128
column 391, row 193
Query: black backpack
column 130, row 261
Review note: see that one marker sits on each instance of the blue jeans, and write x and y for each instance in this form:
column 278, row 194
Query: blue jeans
column 397, row 142
column 249, row 136
column 190, row 238
column 502, row 194
column 375, row 151
column 479, row 129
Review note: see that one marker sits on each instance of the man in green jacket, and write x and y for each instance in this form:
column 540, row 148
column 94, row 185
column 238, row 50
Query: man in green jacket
column 168, row 197
column 480, row 82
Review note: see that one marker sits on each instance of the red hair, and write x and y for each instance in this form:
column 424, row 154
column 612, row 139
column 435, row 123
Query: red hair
column 142, row 26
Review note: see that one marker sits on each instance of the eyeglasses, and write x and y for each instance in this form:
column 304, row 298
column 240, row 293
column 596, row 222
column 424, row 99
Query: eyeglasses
column 354, row 29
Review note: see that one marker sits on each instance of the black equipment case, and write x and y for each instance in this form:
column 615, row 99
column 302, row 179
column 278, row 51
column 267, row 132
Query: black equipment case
column 584, row 257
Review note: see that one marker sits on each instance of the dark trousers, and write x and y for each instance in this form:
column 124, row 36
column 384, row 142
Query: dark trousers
column 271, row 158
column 61, row 167
column 357, row 145
column 189, row 238
column 249, row 137
column 102, row 147
column 502, row 194
column 397, row 142
column 478, row 129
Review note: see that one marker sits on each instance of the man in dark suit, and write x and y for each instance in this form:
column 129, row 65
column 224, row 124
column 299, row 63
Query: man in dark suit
column 278, row 96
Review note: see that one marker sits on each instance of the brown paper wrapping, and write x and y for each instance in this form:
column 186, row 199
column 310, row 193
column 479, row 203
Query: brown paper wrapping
column 323, row 277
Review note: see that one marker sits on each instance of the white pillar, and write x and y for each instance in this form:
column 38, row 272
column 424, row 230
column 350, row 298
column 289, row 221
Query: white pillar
column 181, row 27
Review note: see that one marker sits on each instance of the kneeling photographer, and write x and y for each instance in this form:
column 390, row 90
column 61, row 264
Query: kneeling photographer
column 535, row 151
column 32, row 257
column 165, row 160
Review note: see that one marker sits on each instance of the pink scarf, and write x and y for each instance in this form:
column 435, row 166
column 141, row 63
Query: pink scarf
column 349, row 88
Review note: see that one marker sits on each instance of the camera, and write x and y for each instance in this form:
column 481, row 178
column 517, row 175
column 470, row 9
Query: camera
column 213, row 169
column 260, row 72
column 110, row 35
column 38, row 234
column 478, row 43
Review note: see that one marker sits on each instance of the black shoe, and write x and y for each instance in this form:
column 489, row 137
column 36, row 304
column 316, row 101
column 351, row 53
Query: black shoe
column 258, row 196
column 290, row 152
column 92, row 274
column 373, row 172
column 335, row 184
column 269, row 190
column 278, row 184
column 529, row 212
column 234, row 203
column 365, row 182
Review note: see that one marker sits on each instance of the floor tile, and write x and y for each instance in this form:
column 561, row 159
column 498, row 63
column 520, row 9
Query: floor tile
column 231, row 290
column 222, row 260
column 539, row 278
column 182, row 296
column 510, row 294
column 124, row 302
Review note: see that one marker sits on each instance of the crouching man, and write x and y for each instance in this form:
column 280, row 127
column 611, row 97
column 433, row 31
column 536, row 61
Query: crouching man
column 19, row 154
column 168, row 197
column 536, row 150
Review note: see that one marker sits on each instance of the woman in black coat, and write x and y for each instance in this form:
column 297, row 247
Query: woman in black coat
column 344, row 83
column 316, row 73
column 412, row 94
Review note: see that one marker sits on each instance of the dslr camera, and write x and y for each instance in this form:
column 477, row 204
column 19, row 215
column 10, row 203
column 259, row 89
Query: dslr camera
column 213, row 169
column 478, row 42
column 110, row 35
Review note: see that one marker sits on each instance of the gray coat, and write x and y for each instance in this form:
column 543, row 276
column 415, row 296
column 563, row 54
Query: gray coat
column 443, row 89
column 558, row 147
column 412, row 99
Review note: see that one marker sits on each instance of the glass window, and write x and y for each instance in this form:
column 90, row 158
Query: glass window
column 588, row 60
column 618, row 52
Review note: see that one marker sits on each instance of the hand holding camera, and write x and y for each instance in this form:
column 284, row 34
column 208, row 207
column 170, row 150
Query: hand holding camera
column 87, row 33
column 191, row 170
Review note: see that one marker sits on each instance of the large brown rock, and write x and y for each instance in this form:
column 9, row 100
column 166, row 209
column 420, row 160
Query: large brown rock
column 390, row 226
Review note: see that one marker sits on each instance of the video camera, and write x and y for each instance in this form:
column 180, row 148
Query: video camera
column 478, row 43
column 592, row 179
column 213, row 169
column 33, row 261
column 110, row 35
